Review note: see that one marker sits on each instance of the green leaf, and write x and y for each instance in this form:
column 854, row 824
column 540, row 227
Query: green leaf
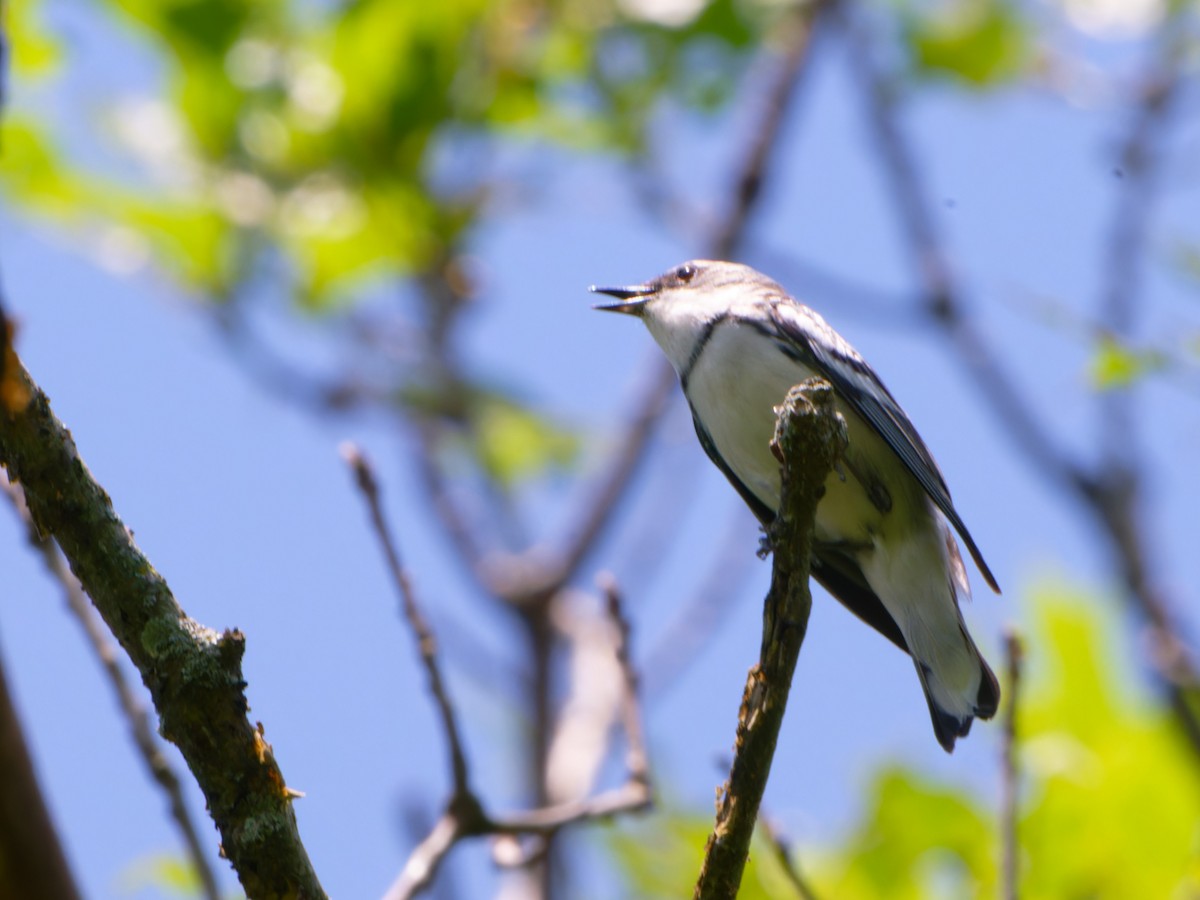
column 659, row 856
column 1115, row 792
column 35, row 52
column 1115, row 365
column 919, row 840
column 513, row 443
column 979, row 43
column 164, row 874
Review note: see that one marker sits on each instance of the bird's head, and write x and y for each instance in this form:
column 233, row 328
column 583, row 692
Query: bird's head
column 680, row 304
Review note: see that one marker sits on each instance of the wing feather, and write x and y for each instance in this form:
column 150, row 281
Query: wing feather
column 863, row 391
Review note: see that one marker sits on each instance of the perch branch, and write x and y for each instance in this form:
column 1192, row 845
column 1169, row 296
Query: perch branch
column 809, row 438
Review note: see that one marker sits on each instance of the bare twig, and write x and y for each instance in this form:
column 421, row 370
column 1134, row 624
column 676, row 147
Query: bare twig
column 783, row 855
column 636, row 760
column 1010, row 777
column 426, row 645
column 809, row 437
column 194, row 674
column 465, row 816
column 132, row 708
column 1116, row 493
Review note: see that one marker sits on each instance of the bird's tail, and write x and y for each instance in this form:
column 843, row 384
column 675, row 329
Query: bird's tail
column 953, row 710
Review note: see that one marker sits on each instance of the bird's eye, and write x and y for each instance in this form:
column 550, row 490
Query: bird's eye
column 685, row 273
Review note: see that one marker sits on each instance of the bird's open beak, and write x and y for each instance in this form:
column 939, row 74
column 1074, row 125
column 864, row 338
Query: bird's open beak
column 634, row 298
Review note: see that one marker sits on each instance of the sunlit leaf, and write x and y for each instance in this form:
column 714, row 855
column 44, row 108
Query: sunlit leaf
column 162, row 874
column 514, row 443
column 34, row 50
column 660, row 856
column 1116, row 365
column 1101, row 758
column 980, row 43
column 919, row 840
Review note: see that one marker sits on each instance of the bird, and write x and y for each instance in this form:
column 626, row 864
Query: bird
column 883, row 540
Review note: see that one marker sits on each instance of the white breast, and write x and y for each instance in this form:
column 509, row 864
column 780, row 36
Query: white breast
column 739, row 378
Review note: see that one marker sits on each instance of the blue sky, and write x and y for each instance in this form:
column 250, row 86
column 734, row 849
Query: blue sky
column 242, row 502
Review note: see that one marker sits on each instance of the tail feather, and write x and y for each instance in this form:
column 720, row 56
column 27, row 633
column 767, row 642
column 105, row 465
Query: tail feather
column 949, row 726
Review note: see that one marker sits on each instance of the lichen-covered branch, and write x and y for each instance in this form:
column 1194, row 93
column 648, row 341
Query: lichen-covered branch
column 809, row 438
column 194, row 674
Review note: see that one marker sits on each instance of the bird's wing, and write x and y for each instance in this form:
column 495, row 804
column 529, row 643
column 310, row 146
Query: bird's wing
column 837, row 571
column 861, row 389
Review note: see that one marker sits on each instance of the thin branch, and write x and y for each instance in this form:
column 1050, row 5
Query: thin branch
column 364, row 477
column 465, row 816
column 636, row 760
column 194, row 674
column 131, row 707
column 809, row 438
column 797, row 32
column 783, row 856
column 943, row 301
column 1010, row 776
column 1116, row 495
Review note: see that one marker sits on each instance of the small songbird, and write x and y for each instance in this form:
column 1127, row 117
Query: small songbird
column 883, row 547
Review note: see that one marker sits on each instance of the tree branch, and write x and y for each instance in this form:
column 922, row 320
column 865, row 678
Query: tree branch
column 364, row 477
column 465, row 815
column 194, row 675
column 1010, row 777
column 809, row 437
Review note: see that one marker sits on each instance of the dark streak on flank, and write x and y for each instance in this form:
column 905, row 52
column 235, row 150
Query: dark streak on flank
column 705, row 337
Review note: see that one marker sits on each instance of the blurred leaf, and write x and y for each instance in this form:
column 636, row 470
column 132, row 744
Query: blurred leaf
column 1115, row 365
column 919, row 840
column 164, row 874
column 660, row 855
column 1096, row 757
column 35, row 52
column 980, row 43
column 33, row 172
column 308, row 133
column 1100, row 757
column 513, row 443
